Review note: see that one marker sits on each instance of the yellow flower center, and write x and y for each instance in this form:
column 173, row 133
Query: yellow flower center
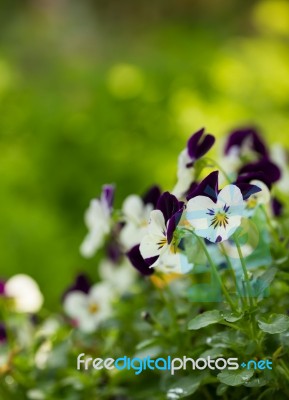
column 252, row 202
column 220, row 219
column 93, row 308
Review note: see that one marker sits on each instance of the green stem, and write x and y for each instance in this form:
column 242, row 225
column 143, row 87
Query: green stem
column 215, row 271
column 220, row 168
column 232, row 272
column 245, row 272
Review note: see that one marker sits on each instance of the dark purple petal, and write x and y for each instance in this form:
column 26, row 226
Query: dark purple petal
column 113, row 252
column 3, row 333
column 208, row 187
column 107, row 195
column 198, row 146
column 152, row 196
column 172, row 224
column 247, row 189
column 237, row 138
column 81, row 284
column 2, row 288
column 277, row 207
column 136, row 259
column 271, row 173
column 250, row 176
column 168, row 204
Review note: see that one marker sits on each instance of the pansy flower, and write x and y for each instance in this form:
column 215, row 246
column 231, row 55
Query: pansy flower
column 198, row 145
column 88, row 310
column 245, row 140
column 97, row 219
column 159, row 247
column 260, row 180
column 216, row 214
column 81, row 284
column 25, row 293
column 120, row 277
column 136, row 213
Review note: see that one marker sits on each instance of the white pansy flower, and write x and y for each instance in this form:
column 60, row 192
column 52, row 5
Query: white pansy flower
column 216, row 221
column 159, row 242
column 89, row 310
column 136, row 216
column 119, row 276
column 97, row 219
column 25, row 292
column 256, row 199
column 280, row 157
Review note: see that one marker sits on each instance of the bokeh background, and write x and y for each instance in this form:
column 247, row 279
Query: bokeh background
column 108, row 91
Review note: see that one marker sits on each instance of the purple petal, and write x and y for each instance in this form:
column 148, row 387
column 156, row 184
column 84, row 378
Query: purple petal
column 271, row 173
column 169, row 205
column 3, row 333
column 208, row 187
column 193, row 143
column 277, row 207
column 172, row 224
column 136, row 259
column 250, row 176
column 152, row 196
column 81, row 284
column 2, row 288
column 198, row 146
column 205, row 146
column 113, row 251
column 247, row 189
column 107, row 195
column 237, row 138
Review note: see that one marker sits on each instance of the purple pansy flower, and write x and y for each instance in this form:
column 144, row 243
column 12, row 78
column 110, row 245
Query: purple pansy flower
column 97, row 219
column 246, row 138
column 268, row 171
column 198, row 145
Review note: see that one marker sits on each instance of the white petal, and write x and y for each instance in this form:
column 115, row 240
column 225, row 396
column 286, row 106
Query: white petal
column 92, row 242
column 131, row 235
column 121, row 277
column 170, row 261
column 25, row 292
column 150, row 246
column 263, row 197
column 133, row 208
column 157, row 224
column 75, row 304
column 197, row 213
column 231, row 196
column 101, row 294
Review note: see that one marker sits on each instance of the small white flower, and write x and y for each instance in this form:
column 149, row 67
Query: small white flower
column 185, row 174
column 25, row 292
column 216, row 221
column 97, row 219
column 157, row 244
column 119, row 276
column 256, row 199
column 136, row 216
column 89, row 310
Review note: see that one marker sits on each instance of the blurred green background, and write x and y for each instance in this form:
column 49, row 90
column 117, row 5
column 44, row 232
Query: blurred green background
column 103, row 91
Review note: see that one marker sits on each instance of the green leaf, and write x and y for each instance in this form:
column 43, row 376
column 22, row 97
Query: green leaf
column 263, row 282
column 276, row 323
column 231, row 316
column 184, row 387
column 205, row 319
column 236, row 377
